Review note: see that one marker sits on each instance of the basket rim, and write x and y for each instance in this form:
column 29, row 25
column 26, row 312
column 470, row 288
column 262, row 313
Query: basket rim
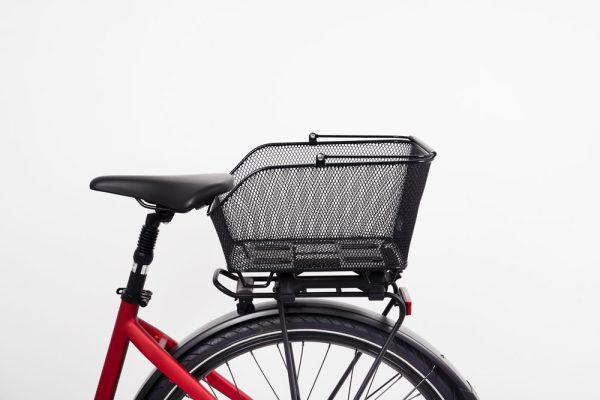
column 216, row 203
column 428, row 152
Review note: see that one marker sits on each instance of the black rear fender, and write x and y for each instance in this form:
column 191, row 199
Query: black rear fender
column 326, row 308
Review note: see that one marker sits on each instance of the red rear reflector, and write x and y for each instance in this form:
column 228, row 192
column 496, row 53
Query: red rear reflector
column 407, row 300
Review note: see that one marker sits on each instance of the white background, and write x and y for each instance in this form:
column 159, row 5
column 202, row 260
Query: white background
column 504, row 263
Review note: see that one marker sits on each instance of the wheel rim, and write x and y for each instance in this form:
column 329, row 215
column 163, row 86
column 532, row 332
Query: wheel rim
column 256, row 366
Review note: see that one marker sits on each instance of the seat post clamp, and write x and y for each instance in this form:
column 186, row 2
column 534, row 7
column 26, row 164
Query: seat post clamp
column 142, row 299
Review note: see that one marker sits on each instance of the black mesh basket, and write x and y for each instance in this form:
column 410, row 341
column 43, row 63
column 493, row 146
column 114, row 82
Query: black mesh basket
column 343, row 205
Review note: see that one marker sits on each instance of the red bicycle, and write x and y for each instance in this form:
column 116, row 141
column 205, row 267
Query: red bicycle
column 298, row 222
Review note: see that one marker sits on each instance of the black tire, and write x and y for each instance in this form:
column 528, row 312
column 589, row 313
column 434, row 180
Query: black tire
column 238, row 339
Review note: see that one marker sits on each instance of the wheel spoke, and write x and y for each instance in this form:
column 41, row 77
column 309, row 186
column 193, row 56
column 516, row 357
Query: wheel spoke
column 234, row 381
column 281, row 354
column 263, row 374
column 372, row 380
column 300, row 363
column 419, row 384
column 389, row 387
column 211, row 388
column 347, row 372
column 352, row 374
column 319, row 372
column 382, row 386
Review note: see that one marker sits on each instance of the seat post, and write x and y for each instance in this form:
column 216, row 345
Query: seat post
column 134, row 293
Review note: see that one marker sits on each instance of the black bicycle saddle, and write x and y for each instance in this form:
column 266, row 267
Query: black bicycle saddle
column 179, row 193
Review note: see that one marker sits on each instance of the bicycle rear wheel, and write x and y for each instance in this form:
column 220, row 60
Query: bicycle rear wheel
column 250, row 355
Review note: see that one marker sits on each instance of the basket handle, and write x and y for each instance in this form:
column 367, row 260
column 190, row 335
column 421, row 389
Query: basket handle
column 321, row 157
column 429, row 153
column 312, row 137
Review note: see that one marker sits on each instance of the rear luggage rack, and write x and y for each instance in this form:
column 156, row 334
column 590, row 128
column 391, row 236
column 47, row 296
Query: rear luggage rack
column 348, row 203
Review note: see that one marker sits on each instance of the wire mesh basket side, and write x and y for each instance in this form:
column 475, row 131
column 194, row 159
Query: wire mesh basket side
column 406, row 215
column 332, row 208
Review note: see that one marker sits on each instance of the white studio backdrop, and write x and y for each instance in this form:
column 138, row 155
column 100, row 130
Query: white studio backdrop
column 504, row 265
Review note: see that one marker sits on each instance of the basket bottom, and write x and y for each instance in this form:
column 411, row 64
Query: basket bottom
column 315, row 255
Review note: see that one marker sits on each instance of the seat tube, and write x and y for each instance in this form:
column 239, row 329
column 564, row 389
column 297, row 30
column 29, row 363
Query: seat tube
column 117, row 349
column 132, row 297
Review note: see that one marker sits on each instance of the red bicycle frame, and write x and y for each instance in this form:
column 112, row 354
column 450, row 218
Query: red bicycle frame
column 155, row 346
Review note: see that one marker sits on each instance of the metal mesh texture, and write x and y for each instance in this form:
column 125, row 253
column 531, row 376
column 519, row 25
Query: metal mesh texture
column 355, row 212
